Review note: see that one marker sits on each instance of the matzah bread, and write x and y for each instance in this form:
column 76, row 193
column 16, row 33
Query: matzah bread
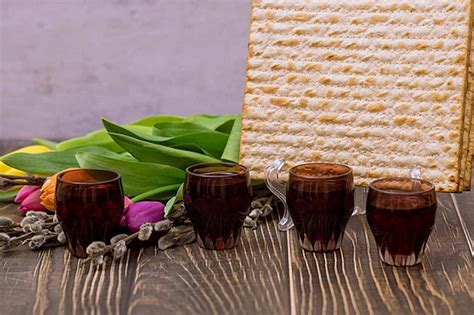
column 466, row 163
column 470, row 101
column 471, row 138
column 468, row 182
column 379, row 86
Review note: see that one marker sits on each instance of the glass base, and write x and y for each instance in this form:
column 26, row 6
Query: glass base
column 77, row 250
column 219, row 243
column 320, row 246
column 400, row 260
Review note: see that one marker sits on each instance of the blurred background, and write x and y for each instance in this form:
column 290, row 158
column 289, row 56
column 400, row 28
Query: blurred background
column 66, row 63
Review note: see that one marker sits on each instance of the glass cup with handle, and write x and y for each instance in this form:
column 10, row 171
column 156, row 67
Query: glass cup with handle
column 401, row 214
column 319, row 201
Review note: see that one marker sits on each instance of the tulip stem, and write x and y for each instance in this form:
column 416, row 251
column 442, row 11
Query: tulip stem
column 153, row 192
column 26, row 177
column 15, row 180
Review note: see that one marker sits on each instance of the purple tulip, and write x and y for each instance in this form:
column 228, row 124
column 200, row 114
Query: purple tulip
column 24, row 192
column 142, row 212
column 30, row 199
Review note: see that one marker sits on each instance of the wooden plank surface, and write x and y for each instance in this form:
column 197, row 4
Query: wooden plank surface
column 251, row 278
column 353, row 280
column 466, row 214
column 267, row 273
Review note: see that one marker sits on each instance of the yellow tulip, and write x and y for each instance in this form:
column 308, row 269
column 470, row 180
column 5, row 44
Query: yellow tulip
column 32, row 149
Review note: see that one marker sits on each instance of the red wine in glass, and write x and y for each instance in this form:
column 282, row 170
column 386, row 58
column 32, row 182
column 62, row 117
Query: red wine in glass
column 217, row 197
column 320, row 199
column 401, row 215
column 89, row 205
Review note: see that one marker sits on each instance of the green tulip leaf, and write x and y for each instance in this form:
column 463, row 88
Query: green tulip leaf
column 178, row 197
column 47, row 143
column 171, row 129
column 161, row 154
column 196, row 138
column 49, row 163
column 160, row 193
column 232, row 148
column 98, row 138
column 102, row 139
column 213, row 122
column 195, row 123
column 191, row 147
column 112, row 127
column 169, row 205
column 9, row 195
column 209, row 142
column 137, row 177
column 150, row 121
column 227, row 126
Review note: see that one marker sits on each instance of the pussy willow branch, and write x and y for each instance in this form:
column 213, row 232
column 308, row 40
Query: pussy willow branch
column 109, row 248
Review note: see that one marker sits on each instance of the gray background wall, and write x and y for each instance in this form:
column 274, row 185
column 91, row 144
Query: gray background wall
column 66, row 63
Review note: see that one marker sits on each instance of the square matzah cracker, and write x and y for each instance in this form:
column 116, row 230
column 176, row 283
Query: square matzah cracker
column 470, row 101
column 466, row 162
column 468, row 182
column 379, row 86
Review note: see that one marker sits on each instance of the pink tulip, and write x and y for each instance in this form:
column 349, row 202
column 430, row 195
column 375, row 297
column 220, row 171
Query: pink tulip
column 142, row 212
column 24, row 192
column 127, row 202
column 31, row 202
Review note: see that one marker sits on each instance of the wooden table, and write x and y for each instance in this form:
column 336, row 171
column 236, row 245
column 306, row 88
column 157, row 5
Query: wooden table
column 267, row 273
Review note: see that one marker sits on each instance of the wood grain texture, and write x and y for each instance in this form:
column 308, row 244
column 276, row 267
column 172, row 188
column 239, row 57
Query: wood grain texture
column 466, row 214
column 51, row 281
column 249, row 279
column 353, row 280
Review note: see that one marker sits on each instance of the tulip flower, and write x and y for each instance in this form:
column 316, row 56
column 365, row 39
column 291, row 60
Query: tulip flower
column 142, row 212
column 29, row 199
column 47, row 191
column 24, row 192
column 32, row 149
column 127, row 202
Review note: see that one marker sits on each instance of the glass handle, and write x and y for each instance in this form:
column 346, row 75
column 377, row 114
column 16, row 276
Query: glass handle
column 278, row 188
column 415, row 172
column 360, row 200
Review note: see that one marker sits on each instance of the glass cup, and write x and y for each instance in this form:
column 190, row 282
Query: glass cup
column 320, row 198
column 217, row 197
column 401, row 214
column 89, row 204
